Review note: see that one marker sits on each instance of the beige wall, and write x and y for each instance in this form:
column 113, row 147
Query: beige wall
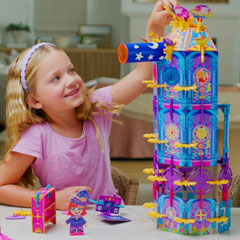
column 109, row 12
column 59, row 17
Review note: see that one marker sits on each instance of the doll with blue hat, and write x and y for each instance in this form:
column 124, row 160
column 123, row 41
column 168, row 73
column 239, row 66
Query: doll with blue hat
column 77, row 209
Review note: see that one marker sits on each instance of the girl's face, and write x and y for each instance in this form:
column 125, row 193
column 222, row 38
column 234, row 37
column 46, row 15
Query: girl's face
column 58, row 86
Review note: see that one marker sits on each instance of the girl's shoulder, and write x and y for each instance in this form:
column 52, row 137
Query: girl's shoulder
column 103, row 95
column 36, row 130
column 33, row 140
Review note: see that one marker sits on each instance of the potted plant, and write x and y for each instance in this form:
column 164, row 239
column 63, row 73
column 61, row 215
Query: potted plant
column 18, row 31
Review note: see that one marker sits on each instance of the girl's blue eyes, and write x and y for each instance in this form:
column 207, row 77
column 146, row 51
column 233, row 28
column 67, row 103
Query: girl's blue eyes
column 55, row 79
column 72, row 70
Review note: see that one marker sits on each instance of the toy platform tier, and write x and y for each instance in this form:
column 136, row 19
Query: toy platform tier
column 185, row 107
column 43, row 209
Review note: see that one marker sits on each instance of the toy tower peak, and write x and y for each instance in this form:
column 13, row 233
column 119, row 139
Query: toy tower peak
column 183, row 19
column 189, row 36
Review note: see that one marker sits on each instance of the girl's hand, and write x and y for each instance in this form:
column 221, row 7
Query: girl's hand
column 63, row 196
column 160, row 17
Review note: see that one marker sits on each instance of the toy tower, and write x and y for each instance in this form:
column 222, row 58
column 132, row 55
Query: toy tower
column 185, row 117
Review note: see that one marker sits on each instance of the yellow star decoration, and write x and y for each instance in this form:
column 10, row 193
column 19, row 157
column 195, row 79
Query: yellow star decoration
column 218, row 182
column 155, row 85
column 218, row 220
column 155, row 140
column 155, row 37
column 182, row 220
column 148, row 205
column 168, row 51
column 150, row 135
column 151, row 170
column 154, row 214
column 185, row 183
column 155, row 178
column 177, row 88
column 201, row 42
column 148, row 82
column 185, row 145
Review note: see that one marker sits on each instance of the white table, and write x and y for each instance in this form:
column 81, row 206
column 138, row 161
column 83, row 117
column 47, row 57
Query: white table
column 141, row 227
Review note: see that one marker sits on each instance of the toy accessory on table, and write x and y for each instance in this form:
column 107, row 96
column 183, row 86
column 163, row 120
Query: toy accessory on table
column 22, row 212
column 15, row 217
column 108, row 205
column 43, row 208
column 19, row 214
column 185, row 117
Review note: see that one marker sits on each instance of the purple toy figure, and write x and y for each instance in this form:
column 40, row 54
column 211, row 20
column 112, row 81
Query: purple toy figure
column 77, row 209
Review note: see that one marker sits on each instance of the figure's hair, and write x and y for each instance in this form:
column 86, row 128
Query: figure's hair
column 20, row 116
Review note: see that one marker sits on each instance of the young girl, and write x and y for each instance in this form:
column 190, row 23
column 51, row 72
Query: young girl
column 58, row 128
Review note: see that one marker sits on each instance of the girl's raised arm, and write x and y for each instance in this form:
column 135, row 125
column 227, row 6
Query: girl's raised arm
column 128, row 88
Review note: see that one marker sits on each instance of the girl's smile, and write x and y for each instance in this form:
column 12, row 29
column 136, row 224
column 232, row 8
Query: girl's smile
column 72, row 93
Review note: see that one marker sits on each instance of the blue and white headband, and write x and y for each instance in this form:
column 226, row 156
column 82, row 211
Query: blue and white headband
column 26, row 60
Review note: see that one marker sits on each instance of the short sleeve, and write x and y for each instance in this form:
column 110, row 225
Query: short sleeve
column 30, row 142
column 103, row 95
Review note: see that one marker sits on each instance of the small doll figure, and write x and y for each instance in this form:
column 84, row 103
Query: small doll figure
column 76, row 220
column 77, row 209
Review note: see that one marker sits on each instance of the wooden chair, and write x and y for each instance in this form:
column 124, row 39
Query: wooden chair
column 235, row 191
column 127, row 187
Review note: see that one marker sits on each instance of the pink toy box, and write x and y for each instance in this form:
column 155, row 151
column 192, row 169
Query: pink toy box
column 43, row 209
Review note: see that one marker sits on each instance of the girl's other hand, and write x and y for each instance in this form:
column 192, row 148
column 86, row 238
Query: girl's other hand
column 63, row 196
column 160, row 17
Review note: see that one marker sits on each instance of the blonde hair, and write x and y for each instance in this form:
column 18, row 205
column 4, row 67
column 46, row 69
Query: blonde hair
column 20, row 116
